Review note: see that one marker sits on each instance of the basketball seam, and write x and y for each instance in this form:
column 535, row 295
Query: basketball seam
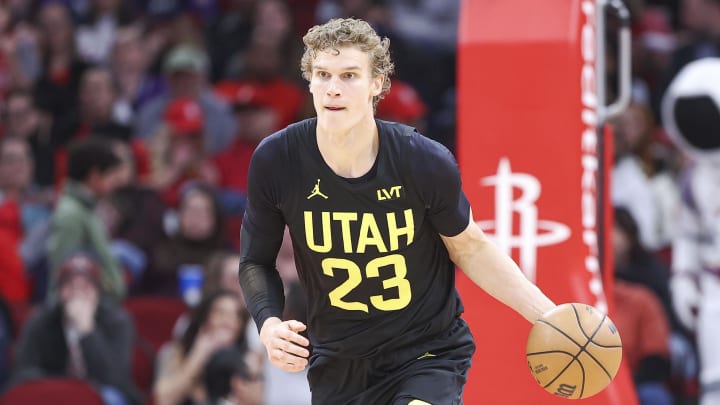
column 560, row 331
column 561, row 372
column 607, row 346
column 582, row 387
column 550, row 352
column 582, row 348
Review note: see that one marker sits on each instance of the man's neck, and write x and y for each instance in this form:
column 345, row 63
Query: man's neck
column 350, row 153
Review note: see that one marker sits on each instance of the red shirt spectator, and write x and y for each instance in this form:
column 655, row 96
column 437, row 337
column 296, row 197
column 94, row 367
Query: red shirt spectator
column 178, row 150
column 261, row 109
column 14, row 287
column 642, row 323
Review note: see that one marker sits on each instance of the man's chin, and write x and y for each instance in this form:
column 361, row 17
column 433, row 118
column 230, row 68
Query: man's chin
column 334, row 122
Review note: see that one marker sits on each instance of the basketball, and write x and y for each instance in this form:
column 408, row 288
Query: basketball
column 574, row 351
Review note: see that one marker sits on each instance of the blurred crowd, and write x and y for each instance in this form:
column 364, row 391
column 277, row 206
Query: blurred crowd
column 126, row 129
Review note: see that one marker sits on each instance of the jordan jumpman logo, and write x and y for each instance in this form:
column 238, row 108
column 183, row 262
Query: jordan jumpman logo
column 316, row 191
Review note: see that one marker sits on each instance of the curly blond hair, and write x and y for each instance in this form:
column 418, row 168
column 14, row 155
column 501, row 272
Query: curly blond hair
column 349, row 32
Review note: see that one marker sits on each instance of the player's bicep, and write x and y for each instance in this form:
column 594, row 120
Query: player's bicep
column 465, row 243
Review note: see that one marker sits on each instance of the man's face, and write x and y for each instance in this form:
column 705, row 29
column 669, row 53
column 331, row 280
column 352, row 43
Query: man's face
column 197, row 218
column 186, row 83
column 55, row 25
column 22, row 118
column 129, row 54
column 97, row 95
column 78, row 287
column 343, row 87
column 16, row 167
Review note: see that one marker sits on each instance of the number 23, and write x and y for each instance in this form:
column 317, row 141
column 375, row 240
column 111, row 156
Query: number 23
column 372, row 269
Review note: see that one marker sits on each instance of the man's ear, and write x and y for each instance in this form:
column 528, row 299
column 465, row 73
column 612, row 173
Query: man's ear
column 377, row 85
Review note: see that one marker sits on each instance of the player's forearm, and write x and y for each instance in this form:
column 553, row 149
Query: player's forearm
column 499, row 276
column 263, row 291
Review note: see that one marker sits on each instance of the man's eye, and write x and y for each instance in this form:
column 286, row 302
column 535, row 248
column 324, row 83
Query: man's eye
column 323, row 74
column 349, row 75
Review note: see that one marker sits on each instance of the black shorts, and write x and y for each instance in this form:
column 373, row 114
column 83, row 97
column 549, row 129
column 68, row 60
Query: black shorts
column 433, row 371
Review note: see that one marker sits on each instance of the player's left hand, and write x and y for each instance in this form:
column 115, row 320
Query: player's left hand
column 285, row 346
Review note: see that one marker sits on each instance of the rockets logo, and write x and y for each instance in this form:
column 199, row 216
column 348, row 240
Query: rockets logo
column 533, row 232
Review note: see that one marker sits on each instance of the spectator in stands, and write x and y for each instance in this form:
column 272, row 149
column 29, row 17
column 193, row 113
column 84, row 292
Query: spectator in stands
column 645, row 330
column 130, row 246
column 96, row 33
column 633, row 263
column 275, row 32
column 24, row 119
column 95, row 114
column 133, row 214
column 92, row 172
column 130, row 68
column 263, row 101
column 21, row 209
column 28, row 134
column 61, row 69
column 217, row 322
column 632, row 171
column 16, row 44
column 178, row 150
column 232, row 379
column 228, row 35
column 80, row 335
column 198, row 235
column 221, row 273
column 260, row 109
column 186, row 69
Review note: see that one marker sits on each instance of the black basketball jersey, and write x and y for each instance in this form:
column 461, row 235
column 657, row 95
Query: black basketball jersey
column 376, row 273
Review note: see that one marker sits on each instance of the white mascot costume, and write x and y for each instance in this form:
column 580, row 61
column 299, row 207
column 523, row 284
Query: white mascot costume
column 691, row 116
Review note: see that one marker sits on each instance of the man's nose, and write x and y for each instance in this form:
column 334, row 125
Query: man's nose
column 333, row 88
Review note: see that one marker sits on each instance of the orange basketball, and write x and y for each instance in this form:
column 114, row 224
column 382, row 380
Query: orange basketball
column 574, row 351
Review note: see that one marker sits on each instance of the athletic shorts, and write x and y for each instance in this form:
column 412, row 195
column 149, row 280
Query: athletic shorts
column 432, row 372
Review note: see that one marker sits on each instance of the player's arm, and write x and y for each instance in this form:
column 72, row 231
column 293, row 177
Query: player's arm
column 437, row 177
column 261, row 236
column 265, row 298
column 495, row 272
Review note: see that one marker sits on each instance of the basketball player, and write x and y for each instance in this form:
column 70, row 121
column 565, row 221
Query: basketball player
column 378, row 222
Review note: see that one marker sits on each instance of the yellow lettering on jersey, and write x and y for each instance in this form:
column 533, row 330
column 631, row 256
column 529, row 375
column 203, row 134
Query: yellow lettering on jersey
column 310, row 233
column 370, row 234
column 385, row 194
column 345, row 218
column 395, row 231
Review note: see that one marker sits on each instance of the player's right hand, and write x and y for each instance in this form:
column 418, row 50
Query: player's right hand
column 286, row 348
